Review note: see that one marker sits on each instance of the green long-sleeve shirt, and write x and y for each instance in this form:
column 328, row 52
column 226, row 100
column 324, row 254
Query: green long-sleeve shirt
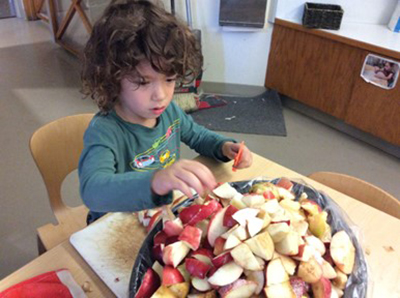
column 119, row 158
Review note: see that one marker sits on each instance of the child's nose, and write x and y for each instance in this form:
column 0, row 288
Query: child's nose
column 160, row 92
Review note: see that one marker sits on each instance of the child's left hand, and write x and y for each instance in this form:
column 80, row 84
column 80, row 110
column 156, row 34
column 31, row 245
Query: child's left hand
column 230, row 150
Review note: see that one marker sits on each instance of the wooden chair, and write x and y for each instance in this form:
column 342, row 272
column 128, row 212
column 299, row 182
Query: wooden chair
column 56, row 148
column 360, row 190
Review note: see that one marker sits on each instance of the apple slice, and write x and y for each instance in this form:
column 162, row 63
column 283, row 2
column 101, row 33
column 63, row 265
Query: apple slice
column 163, row 292
column 237, row 201
column 180, row 290
column 272, row 207
column 289, row 245
column 254, row 225
column 343, row 252
column 276, row 273
column 226, row 274
column 222, row 259
column 258, row 277
column 225, row 191
column 171, row 276
column 205, row 211
column 299, row 286
column 173, row 227
column 216, row 227
column 188, row 213
column 339, row 292
column 340, row 280
column 322, row 288
column 204, row 255
column 282, row 290
column 285, row 183
column 310, row 206
column 288, row 263
column 243, row 215
column 196, row 268
column 154, row 219
column 160, row 238
column 318, row 224
column 243, row 256
column 158, row 268
column 300, row 226
column 285, row 194
column 264, row 215
column 278, row 231
column 231, row 242
column 174, row 253
column 157, row 252
column 327, row 270
column 262, row 245
column 201, row 285
column 151, row 282
column 240, row 288
column 310, row 271
column 253, row 200
column 219, row 246
column 183, row 271
column 229, row 222
column 238, row 231
column 203, row 226
column 263, row 187
column 290, row 205
column 305, row 253
column 191, row 236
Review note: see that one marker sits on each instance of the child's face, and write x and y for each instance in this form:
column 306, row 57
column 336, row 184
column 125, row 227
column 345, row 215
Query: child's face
column 144, row 104
column 387, row 66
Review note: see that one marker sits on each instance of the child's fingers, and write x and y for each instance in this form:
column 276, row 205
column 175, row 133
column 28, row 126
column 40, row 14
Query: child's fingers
column 246, row 159
column 203, row 174
column 191, row 180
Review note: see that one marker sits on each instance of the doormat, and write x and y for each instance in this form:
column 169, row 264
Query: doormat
column 7, row 9
column 260, row 115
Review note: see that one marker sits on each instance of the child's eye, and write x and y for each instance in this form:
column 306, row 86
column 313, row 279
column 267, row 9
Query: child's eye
column 171, row 80
column 144, row 83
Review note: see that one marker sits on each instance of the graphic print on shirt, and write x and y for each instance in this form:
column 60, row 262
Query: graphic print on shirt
column 162, row 153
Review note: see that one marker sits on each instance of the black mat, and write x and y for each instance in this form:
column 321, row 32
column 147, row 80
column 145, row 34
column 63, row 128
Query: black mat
column 261, row 115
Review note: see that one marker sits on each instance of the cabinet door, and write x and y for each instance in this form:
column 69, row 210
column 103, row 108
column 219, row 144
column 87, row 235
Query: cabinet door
column 314, row 70
column 375, row 110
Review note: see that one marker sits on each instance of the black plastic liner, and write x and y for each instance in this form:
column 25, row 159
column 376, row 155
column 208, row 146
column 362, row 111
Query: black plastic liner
column 357, row 284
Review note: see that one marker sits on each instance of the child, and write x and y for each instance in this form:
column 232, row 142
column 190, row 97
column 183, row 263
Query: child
column 386, row 73
column 130, row 161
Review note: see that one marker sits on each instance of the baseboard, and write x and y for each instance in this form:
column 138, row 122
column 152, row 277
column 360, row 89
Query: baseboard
column 341, row 126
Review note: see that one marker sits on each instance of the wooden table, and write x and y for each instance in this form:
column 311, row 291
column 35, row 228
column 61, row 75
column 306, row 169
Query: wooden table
column 380, row 237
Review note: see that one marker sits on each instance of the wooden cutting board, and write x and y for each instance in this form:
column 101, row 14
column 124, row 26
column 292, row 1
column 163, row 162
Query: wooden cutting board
column 110, row 246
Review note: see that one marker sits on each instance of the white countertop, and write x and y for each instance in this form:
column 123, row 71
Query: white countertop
column 375, row 34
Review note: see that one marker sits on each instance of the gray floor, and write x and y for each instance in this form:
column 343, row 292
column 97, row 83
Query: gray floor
column 39, row 82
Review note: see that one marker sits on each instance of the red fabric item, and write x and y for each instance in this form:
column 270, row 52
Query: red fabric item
column 45, row 285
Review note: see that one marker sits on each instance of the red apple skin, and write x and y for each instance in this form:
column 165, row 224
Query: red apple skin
column 171, row 240
column 222, row 259
column 281, row 221
column 157, row 253
column 285, row 183
column 299, row 286
column 225, row 290
column 171, row 276
column 188, row 213
column 203, row 251
column 197, row 268
column 301, row 251
column 229, row 222
column 268, row 195
column 219, row 246
column 322, row 288
column 151, row 282
column 160, row 238
column 205, row 211
column 172, row 228
column 192, row 236
column 153, row 220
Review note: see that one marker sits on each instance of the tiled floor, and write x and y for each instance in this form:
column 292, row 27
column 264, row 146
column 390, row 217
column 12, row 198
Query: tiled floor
column 39, row 82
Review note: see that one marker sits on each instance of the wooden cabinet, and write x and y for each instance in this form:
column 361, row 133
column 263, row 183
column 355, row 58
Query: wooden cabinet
column 322, row 70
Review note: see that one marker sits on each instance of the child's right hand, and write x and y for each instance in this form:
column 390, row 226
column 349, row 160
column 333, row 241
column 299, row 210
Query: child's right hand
column 183, row 175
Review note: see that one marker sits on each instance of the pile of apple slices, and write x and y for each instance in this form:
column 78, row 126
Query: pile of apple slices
column 260, row 244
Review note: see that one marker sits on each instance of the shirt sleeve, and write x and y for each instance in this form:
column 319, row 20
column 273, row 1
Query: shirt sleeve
column 200, row 139
column 103, row 189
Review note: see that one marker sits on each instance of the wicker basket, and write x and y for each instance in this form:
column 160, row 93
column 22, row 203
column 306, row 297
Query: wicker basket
column 324, row 16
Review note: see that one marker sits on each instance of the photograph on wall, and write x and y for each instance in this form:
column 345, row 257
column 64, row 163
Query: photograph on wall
column 380, row 71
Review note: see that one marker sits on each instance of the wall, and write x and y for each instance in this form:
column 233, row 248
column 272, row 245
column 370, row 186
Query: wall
column 355, row 11
column 234, row 57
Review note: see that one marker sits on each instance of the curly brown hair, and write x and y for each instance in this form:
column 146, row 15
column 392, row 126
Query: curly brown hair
column 131, row 31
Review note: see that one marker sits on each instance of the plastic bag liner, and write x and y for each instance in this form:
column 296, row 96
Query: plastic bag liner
column 357, row 284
